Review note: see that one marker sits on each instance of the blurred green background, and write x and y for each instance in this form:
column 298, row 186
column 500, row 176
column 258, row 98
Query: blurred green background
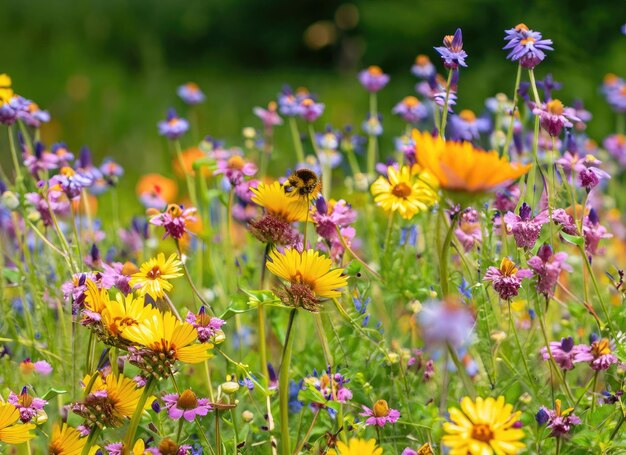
column 107, row 70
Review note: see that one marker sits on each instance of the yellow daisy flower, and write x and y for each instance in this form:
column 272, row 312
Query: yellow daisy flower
column 6, row 93
column 356, row 446
column 279, row 203
column 12, row 432
column 407, row 191
column 167, row 339
column 123, row 312
column 66, row 440
column 483, row 427
column 96, row 299
column 310, row 277
column 113, row 407
column 154, row 275
column 462, row 168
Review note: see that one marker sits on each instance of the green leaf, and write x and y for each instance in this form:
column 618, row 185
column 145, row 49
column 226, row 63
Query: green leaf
column 50, row 394
column 573, row 239
column 11, row 275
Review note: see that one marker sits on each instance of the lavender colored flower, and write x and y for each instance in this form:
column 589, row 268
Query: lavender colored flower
column 507, row 199
column 173, row 126
column 40, row 160
column 446, row 322
column 111, row 171
column 602, row 355
column 190, row 93
column 560, row 422
column 118, row 275
column 547, row 267
column 553, row 116
column 373, row 79
column 186, row 405
column 506, row 279
column 206, row 326
column 380, row 414
column 468, row 231
column 12, row 110
column 615, row 144
column 269, row 116
column 452, row 52
column 614, row 89
column 410, row 110
column 63, row 154
column 466, row 126
column 33, row 116
column 310, row 110
column 174, row 220
column 524, row 227
column 372, row 126
column 235, row 168
column 548, row 84
column 590, row 177
column 566, row 354
column 332, row 386
column 41, row 367
column 423, row 67
column 69, row 182
column 593, row 232
column 288, row 103
column 27, row 405
column 527, row 46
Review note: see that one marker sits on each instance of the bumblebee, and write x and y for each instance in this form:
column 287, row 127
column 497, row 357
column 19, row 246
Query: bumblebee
column 303, row 183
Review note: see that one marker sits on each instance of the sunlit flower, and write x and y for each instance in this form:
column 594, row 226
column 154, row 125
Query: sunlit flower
column 483, row 427
column 154, row 275
column 186, row 405
column 524, row 227
column 190, row 93
column 467, row 127
column 452, row 52
column 559, row 421
column 166, row 339
column 506, row 279
column 174, row 220
column 173, row 126
column 407, row 191
column 356, row 446
column 380, row 414
column 565, row 353
column 593, row 232
column 373, row 78
column 547, row 267
column 410, row 110
column 527, row 46
column 66, row 440
column 462, row 168
column 12, row 432
column 553, row 117
column 310, row 109
column 602, row 353
column 423, row 67
column 28, row 405
column 309, row 275
column 235, row 168
column 206, row 325
column 269, row 116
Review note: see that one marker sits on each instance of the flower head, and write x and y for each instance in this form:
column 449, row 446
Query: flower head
column 174, row 220
column 173, row 126
column 66, row 440
column 506, row 279
column 154, row 275
column 446, row 322
column 467, row 127
column 452, row 52
column 28, row 405
column 373, row 78
column 269, row 116
column 410, row 110
column 524, row 227
column 380, row 414
column 12, row 432
column 407, row 191
column 483, row 427
column 527, row 46
column 206, row 325
column 462, row 168
column 356, row 446
column 602, row 353
column 566, row 353
column 190, row 93
column 186, row 405
column 309, row 275
column 559, row 421
column 553, row 116
column 547, row 267
column 468, row 231
column 310, row 109
column 423, row 67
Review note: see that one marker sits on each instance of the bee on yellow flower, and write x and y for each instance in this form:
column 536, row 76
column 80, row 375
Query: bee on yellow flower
column 154, row 275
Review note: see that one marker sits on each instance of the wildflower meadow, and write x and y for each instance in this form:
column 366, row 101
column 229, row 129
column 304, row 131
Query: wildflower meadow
column 454, row 286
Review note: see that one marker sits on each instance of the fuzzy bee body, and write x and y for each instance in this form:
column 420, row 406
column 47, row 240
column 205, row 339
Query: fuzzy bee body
column 303, row 183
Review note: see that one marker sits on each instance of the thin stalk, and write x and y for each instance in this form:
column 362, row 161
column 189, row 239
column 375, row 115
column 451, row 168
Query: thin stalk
column 93, row 436
column 390, row 221
column 172, row 307
column 356, row 257
column 308, row 433
column 321, row 333
column 218, row 436
column 283, row 386
column 443, row 259
column 444, row 113
column 509, row 133
column 295, row 136
column 191, row 189
column 136, row 418
column 372, row 144
column 261, row 321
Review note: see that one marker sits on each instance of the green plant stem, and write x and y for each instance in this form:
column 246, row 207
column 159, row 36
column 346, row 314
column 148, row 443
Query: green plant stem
column 593, row 393
column 295, row 136
column 93, row 437
column 445, row 249
column 321, row 333
column 308, row 433
column 191, row 189
column 617, row 427
column 356, row 257
column 218, row 436
column 509, row 133
column 283, row 386
column 233, row 417
column 136, row 418
column 444, row 113
column 261, row 322
column 195, row 290
column 372, row 142
column 390, row 221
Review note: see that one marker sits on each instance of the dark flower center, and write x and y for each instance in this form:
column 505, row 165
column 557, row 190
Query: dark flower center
column 155, row 273
column 381, row 408
column 482, row 432
column 401, row 190
column 187, row 400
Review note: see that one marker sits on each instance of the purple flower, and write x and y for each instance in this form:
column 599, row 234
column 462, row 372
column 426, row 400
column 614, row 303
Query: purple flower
column 524, row 228
column 118, row 275
column 331, row 385
column 615, row 144
column 28, row 405
column 206, row 326
column 506, row 279
column 526, row 46
column 373, row 78
column 468, row 231
column 547, row 85
column 186, row 405
column 446, row 322
column 330, row 216
column 507, row 199
column 174, row 220
column 566, row 354
column 372, row 126
column 565, row 220
column 173, row 127
column 590, row 177
column 380, row 414
column 111, row 171
column 33, row 115
column 467, row 127
column 310, row 110
column 553, row 116
column 190, row 93
column 288, row 103
column 614, row 89
column 40, row 367
column 14, row 109
column 235, row 168
column 410, row 110
column 557, row 420
column 423, row 67
column 602, row 354
column 593, row 232
column 40, row 160
column 269, row 116
column 69, row 182
column 452, row 52
column 547, row 267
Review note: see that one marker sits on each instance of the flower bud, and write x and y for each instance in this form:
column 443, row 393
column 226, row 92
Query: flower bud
column 10, row 200
column 247, row 416
column 230, row 387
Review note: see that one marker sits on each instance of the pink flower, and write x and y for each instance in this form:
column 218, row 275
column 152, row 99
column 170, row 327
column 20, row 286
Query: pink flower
column 553, row 116
column 235, row 168
column 566, row 354
column 118, row 275
column 506, row 200
column 186, row 405
column 26, row 404
column 468, row 232
column 41, row 367
column 547, row 267
column 557, row 420
column 330, row 216
column 524, row 228
column 381, row 414
column 269, row 116
column 174, row 220
column 603, row 356
column 506, row 279
column 593, row 232
column 206, row 325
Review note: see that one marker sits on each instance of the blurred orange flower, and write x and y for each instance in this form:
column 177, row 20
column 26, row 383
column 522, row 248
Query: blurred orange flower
column 157, row 184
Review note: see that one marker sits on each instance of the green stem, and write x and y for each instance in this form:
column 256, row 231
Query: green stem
column 509, row 133
column 191, row 189
column 93, row 436
column 444, row 113
column 321, row 333
column 389, row 230
column 372, row 144
column 295, row 136
column 283, row 386
column 218, row 436
column 443, row 260
column 136, row 418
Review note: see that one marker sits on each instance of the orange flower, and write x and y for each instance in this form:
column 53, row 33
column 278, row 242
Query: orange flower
column 161, row 186
column 189, row 157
